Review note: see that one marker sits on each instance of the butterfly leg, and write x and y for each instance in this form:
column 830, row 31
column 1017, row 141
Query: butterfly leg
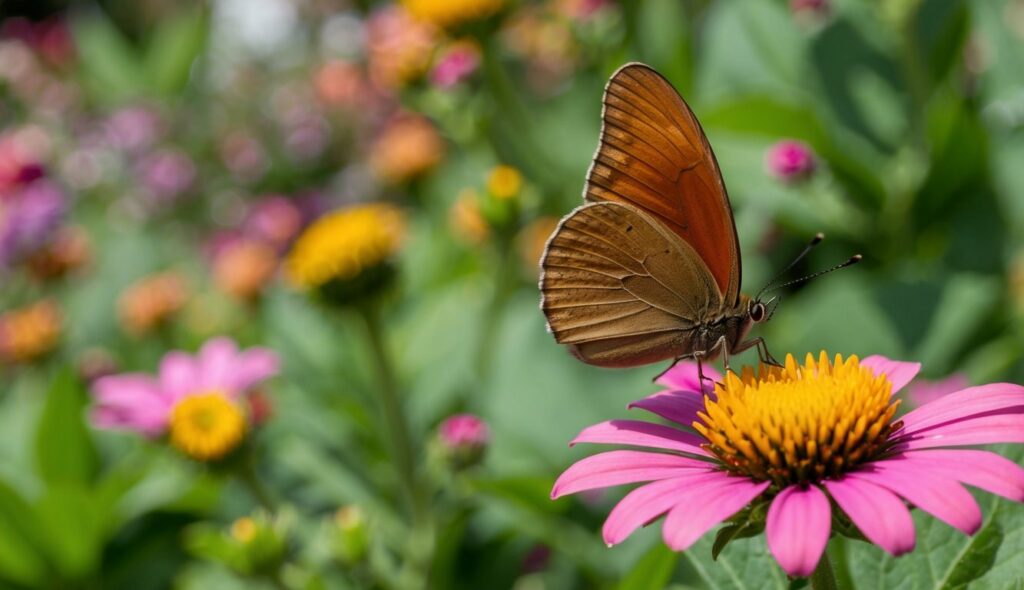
column 762, row 351
column 675, row 362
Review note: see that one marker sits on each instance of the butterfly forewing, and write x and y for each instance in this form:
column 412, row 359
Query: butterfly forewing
column 653, row 155
column 621, row 289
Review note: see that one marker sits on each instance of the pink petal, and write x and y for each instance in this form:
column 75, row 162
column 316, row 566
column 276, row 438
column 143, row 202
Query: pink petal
column 217, row 361
column 253, row 366
column 877, row 512
column 972, row 401
column 132, row 402
column 898, row 372
column 705, row 504
column 678, row 406
column 179, row 374
column 1005, row 428
column 641, row 434
column 621, row 467
column 650, row 501
column 981, row 469
column 937, row 495
column 684, row 376
column 798, row 526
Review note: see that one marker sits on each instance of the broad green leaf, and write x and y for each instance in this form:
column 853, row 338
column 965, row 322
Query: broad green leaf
column 21, row 560
column 940, row 28
column 175, row 45
column 73, row 525
column 653, row 571
column 967, row 301
column 64, row 448
column 110, row 65
column 744, row 565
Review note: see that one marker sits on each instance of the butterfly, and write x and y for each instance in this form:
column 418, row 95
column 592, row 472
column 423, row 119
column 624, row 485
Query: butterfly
column 648, row 269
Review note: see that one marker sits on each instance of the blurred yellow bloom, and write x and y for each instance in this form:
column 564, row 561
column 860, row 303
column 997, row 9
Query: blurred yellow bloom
column 407, row 147
column 29, row 333
column 342, row 244
column 207, row 426
column 243, row 268
column 152, row 301
column 504, row 182
column 243, row 529
column 446, row 13
column 532, row 240
column 465, row 219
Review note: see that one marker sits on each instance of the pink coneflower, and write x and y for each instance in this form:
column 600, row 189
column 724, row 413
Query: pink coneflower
column 797, row 440
column 197, row 401
column 790, row 160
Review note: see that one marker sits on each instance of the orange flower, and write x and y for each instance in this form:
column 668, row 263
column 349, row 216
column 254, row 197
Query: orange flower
column 465, row 219
column 399, row 47
column 243, row 268
column 69, row 250
column 341, row 83
column 29, row 333
column 152, row 301
column 407, row 147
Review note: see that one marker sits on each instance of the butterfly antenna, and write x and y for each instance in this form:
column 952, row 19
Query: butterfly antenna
column 853, row 260
column 818, row 237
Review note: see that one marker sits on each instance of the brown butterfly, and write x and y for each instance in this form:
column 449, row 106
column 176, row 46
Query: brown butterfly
column 649, row 268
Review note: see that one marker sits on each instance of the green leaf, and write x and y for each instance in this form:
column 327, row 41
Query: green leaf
column 175, row 46
column 64, row 448
column 941, row 27
column 110, row 66
column 653, row 571
column 73, row 523
column 967, row 301
column 744, row 565
column 20, row 557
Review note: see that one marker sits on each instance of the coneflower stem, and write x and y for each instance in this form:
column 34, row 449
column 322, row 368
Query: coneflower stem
column 823, row 577
column 391, row 405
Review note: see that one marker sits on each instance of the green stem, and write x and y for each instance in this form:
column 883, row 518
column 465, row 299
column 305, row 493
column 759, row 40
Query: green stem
column 504, row 283
column 391, row 406
column 824, row 578
column 248, row 476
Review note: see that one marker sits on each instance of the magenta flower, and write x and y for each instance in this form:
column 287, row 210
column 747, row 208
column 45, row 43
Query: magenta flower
column 463, row 431
column 145, row 404
column 790, row 160
column 457, row 63
column 797, row 440
column 29, row 217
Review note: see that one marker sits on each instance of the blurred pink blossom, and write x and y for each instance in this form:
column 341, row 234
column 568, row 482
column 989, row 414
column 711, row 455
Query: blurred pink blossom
column 143, row 403
column 29, row 217
column 464, row 432
column 166, row 174
column 133, row 128
column 790, row 160
column 456, row 64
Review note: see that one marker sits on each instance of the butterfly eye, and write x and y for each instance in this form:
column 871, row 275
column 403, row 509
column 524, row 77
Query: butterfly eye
column 757, row 312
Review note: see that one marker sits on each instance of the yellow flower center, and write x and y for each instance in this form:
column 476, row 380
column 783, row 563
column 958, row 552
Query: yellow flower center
column 799, row 423
column 243, row 530
column 341, row 245
column 207, row 426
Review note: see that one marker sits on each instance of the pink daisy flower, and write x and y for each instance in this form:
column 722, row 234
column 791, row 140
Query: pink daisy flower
column 800, row 439
column 196, row 400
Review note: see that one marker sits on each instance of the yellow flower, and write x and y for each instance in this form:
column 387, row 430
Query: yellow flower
column 407, row 147
column 465, row 218
column 531, row 241
column 446, row 13
column 243, row 529
column 29, row 333
column 795, row 424
column 207, row 426
column 341, row 245
column 504, row 182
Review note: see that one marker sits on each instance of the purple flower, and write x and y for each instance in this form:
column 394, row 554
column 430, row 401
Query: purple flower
column 166, row 174
column 790, row 160
column 28, row 219
column 133, row 129
column 800, row 440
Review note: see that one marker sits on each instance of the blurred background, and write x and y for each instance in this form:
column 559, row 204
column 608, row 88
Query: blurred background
column 158, row 160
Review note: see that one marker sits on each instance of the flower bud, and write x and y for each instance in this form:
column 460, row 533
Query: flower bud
column 463, row 439
column 790, row 160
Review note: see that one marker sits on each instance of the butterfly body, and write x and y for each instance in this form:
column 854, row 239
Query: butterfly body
column 649, row 268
